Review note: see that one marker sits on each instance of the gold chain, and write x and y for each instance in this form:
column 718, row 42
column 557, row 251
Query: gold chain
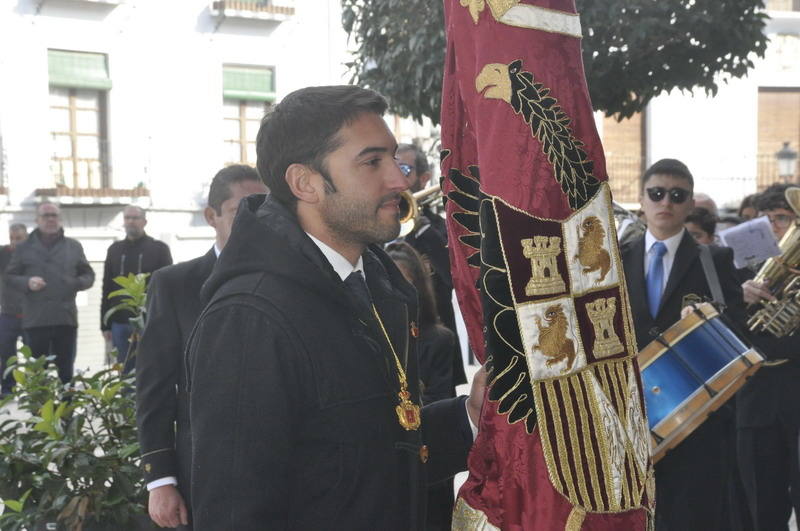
column 407, row 412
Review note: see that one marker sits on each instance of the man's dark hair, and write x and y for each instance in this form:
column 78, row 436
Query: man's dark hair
column 773, row 197
column 703, row 218
column 671, row 167
column 421, row 164
column 220, row 190
column 17, row 227
column 302, row 129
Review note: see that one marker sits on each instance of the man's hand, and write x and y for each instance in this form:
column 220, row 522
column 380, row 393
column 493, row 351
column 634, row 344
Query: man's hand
column 166, row 507
column 756, row 292
column 476, row 393
column 107, row 335
column 36, row 283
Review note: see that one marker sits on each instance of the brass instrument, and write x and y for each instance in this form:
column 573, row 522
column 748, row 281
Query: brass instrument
column 782, row 274
column 411, row 207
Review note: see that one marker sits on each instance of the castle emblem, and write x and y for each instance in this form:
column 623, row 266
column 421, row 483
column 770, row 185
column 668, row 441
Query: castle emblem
column 601, row 313
column 542, row 252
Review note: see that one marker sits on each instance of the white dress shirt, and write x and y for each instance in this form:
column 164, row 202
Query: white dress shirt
column 668, row 259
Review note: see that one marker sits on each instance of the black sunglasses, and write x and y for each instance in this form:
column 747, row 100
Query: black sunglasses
column 676, row 195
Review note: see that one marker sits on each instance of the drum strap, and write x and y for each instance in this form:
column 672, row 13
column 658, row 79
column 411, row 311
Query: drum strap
column 711, row 274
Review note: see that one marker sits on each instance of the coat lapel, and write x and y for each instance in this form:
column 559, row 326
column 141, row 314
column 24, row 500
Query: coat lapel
column 633, row 264
column 684, row 257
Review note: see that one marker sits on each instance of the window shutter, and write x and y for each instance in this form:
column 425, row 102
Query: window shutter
column 78, row 69
column 248, row 83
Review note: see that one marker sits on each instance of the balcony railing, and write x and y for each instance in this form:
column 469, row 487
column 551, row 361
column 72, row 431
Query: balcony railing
column 92, row 196
column 253, row 9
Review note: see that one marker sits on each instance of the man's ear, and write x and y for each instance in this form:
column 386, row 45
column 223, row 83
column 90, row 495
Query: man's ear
column 306, row 184
column 211, row 216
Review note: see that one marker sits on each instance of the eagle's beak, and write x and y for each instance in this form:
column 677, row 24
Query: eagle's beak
column 493, row 82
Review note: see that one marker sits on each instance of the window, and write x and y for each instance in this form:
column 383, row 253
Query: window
column 247, row 93
column 78, row 86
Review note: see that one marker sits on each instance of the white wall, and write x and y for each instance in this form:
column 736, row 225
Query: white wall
column 164, row 109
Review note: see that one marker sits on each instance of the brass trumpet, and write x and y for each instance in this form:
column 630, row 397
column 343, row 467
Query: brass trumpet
column 411, row 207
column 782, row 274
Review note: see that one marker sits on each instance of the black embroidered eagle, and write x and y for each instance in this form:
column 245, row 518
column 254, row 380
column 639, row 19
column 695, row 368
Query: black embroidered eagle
column 549, row 124
column 509, row 383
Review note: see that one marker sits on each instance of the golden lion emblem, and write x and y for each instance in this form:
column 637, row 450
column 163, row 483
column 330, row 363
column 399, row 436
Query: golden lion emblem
column 553, row 340
column 591, row 253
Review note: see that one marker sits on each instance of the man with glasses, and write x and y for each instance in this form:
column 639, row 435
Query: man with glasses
column 664, row 275
column 768, row 406
column 51, row 269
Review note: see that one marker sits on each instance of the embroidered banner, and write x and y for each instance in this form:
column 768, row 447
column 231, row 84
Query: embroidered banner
column 563, row 441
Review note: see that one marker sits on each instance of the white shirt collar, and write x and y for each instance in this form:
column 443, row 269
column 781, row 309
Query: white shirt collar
column 340, row 264
column 672, row 242
column 217, row 250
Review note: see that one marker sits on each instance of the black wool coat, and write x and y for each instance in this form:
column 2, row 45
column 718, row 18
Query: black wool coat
column 162, row 404
column 293, row 391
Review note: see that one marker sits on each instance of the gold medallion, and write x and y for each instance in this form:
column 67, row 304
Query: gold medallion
column 407, row 412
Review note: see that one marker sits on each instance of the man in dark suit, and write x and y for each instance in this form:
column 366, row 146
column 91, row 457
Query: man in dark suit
column 768, row 406
column 162, row 408
column 429, row 239
column 302, row 369
column 664, row 275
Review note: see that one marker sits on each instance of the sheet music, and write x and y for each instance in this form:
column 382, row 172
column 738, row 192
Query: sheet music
column 752, row 242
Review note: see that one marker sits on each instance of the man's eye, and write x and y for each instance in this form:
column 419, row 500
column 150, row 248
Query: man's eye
column 374, row 162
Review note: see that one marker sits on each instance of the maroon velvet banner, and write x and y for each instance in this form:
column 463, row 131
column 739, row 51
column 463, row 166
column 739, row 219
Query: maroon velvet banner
column 563, row 440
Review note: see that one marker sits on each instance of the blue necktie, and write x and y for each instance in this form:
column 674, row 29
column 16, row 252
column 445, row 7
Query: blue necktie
column 655, row 276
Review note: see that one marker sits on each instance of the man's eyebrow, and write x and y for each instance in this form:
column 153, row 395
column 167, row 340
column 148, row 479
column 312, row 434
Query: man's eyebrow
column 372, row 149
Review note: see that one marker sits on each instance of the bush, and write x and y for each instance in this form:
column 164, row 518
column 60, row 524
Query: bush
column 70, row 456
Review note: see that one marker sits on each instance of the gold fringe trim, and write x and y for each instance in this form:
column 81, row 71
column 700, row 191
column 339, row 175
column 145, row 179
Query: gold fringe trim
column 575, row 520
column 465, row 518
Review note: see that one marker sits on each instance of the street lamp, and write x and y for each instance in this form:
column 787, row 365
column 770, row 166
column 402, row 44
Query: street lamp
column 787, row 162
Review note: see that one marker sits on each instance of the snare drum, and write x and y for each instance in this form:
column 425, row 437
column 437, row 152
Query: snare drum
column 690, row 371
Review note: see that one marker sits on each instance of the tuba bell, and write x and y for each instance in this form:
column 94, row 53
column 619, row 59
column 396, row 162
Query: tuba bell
column 781, row 273
column 411, row 207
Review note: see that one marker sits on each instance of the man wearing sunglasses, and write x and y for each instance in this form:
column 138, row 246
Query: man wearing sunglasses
column 768, row 406
column 664, row 275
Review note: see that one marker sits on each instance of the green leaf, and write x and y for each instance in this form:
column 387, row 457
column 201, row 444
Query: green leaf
column 14, row 505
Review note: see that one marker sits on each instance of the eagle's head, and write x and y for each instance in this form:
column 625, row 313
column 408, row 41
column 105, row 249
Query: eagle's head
column 494, row 82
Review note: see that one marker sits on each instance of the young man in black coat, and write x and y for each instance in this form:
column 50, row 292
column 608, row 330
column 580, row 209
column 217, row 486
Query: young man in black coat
column 137, row 253
column 768, row 406
column 692, row 479
column 162, row 407
column 303, row 375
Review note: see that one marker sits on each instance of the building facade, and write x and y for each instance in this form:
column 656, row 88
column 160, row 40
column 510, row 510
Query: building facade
column 109, row 102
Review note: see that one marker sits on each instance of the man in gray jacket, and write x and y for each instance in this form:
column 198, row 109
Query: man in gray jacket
column 51, row 269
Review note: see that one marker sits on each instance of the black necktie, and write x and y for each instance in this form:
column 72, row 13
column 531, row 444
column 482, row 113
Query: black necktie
column 358, row 287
